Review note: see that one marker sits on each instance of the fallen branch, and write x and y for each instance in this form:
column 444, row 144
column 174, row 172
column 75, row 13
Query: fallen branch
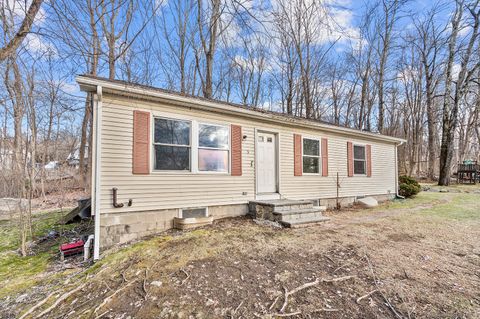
column 344, row 265
column 287, row 293
column 109, row 298
column 287, row 314
column 387, row 302
column 338, row 279
column 42, row 302
column 102, row 314
column 144, row 285
column 329, row 258
column 186, row 274
column 366, row 296
column 234, row 312
column 274, row 302
column 327, row 310
column 38, row 305
column 59, row 300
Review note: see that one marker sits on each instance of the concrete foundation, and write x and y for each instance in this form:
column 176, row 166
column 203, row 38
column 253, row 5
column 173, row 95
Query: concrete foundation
column 349, row 201
column 121, row 228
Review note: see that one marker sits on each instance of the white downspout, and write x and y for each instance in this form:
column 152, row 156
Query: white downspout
column 396, row 169
column 97, row 118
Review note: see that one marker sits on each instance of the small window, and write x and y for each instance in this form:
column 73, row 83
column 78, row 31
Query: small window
column 359, row 162
column 172, row 145
column 213, row 148
column 194, row 212
column 311, row 156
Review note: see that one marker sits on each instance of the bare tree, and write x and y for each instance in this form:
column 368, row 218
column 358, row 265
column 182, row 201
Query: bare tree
column 108, row 13
column 385, row 32
column 12, row 44
column 176, row 61
column 456, row 90
column 430, row 42
column 208, row 41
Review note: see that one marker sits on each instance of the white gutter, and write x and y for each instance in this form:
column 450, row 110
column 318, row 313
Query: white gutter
column 97, row 133
column 396, row 169
column 90, row 83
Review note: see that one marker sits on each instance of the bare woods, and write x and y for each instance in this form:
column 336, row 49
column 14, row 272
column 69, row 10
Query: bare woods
column 389, row 66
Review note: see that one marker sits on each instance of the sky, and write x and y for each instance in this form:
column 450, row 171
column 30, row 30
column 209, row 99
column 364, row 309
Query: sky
column 345, row 15
column 344, row 18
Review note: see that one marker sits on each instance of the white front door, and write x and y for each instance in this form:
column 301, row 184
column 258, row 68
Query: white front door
column 266, row 163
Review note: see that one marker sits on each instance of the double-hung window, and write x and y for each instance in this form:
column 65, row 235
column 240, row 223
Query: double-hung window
column 213, row 148
column 359, row 160
column 311, row 156
column 172, row 144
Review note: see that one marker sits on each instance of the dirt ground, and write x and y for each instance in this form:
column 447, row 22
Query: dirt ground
column 416, row 258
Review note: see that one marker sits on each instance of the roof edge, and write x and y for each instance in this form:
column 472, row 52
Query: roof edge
column 89, row 83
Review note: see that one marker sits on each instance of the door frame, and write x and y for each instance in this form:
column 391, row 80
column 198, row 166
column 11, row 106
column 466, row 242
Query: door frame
column 277, row 162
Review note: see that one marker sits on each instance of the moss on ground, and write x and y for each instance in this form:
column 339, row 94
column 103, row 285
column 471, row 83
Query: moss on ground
column 19, row 273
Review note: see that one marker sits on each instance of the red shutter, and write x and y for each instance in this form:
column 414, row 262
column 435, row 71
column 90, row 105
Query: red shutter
column 236, row 132
column 297, row 155
column 324, row 157
column 368, row 151
column 141, row 142
column 350, row 159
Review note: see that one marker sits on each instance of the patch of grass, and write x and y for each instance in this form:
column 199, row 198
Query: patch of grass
column 461, row 207
column 141, row 248
column 462, row 187
column 42, row 223
column 8, row 236
column 422, row 199
column 18, row 273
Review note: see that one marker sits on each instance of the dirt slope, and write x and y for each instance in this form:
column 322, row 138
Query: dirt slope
column 414, row 259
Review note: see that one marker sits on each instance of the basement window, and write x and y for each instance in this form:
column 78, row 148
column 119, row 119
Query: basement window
column 194, row 212
column 311, row 156
column 359, row 160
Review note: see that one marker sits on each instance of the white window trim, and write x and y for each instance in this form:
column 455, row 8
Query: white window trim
column 194, row 144
column 319, row 155
column 364, row 160
column 197, row 147
column 152, row 145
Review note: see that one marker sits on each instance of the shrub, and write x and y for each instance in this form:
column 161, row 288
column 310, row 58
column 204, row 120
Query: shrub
column 408, row 186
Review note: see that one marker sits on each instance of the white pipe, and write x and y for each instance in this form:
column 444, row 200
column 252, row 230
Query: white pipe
column 396, row 169
column 97, row 117
column 86, row 248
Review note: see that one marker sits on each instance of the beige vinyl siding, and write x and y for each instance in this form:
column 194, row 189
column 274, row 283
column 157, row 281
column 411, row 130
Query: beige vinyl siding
column 316, row 186
column 165, row 190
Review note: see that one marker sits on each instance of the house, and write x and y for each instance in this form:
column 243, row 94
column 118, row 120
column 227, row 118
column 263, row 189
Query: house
column 73, row 158
column 159, row 154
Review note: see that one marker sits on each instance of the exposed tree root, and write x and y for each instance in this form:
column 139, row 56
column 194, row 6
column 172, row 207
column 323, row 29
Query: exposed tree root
column 59, row 300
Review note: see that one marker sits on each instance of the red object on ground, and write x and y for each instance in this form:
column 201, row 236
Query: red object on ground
column 75, row 244
column 71, row 248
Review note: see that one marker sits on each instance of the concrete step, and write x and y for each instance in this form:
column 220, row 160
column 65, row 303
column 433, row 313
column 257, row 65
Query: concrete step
column 292, row 215
column 278, row 205
column 299, row 211
column 304, row 222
